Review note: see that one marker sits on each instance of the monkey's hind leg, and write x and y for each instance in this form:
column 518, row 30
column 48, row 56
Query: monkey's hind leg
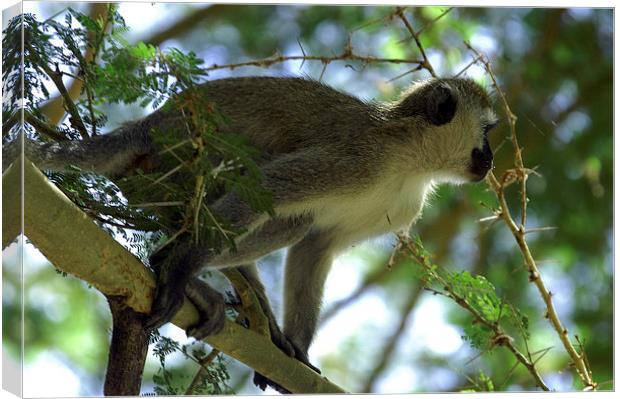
column 307, row 265
column 179, row 262
column 175, row 265
column 211, row 308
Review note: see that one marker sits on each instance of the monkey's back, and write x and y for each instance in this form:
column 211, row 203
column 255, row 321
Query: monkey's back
column 281, row 115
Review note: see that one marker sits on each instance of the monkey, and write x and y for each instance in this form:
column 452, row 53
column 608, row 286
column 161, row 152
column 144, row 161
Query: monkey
column 340, row 170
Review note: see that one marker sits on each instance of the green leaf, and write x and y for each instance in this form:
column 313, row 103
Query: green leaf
column 142, row 51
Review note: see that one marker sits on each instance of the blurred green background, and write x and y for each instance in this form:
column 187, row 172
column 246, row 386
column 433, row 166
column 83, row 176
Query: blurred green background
column 381, row 333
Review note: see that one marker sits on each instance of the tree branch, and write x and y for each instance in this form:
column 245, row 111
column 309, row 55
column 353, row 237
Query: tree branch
column 54, row 224
column 189, row 22
column 347, row 55
column 12, row 195
column 41, row 126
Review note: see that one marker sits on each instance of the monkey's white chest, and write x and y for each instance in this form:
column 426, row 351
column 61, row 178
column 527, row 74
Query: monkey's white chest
column 388, row 206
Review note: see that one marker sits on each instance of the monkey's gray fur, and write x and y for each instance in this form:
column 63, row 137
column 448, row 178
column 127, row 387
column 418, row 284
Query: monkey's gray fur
column 340, row 170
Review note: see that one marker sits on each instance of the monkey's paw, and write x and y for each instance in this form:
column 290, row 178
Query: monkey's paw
column 280, row 340
column 211, row 309
column 302, row 356
column 262, row 382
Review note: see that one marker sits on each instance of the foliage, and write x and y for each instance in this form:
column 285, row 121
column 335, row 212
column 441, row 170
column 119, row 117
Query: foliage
column 474, row 293
column 127, row 73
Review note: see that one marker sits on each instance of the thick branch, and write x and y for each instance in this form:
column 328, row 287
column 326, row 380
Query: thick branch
column 11, row 203
column 54, row 225
column 193, row 19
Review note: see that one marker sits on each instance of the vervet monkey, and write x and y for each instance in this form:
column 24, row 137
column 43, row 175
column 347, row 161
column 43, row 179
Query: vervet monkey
column 340, row 170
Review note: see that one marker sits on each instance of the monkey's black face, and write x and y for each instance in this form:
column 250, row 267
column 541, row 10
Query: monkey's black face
column 482, row 159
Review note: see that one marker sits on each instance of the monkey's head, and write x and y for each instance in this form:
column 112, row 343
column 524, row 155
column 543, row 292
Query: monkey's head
column 459, row 117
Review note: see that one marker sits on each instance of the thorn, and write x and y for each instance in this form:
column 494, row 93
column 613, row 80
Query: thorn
column 488, row 219
column 323, row 71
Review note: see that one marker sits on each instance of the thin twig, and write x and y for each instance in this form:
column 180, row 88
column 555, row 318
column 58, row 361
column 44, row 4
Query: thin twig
column 405, row 73
column 157, row 204
column 432, row 22
column 426, row 63
column 198, row 377
column 385, row 18
column 278, row 59
column 462, row 71
column 56, row 77
column 521, row 173
column 168, row 174
column 539, row 229
column 427, row 25
column 224, row 232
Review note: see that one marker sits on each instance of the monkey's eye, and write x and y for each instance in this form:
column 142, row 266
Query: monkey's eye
column 489, row 126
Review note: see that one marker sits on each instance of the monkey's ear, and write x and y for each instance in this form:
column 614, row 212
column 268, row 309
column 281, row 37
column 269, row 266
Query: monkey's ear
column 441, row 105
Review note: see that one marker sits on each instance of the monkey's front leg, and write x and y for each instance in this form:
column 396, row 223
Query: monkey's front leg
column 209, row 303
column 307, row 264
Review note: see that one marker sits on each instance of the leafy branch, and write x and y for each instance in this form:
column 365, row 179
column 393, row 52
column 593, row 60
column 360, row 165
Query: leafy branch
column 210, row 377
column 478, row 298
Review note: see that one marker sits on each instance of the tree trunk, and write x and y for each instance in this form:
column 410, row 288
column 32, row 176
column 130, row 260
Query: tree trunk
column 128, row 350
